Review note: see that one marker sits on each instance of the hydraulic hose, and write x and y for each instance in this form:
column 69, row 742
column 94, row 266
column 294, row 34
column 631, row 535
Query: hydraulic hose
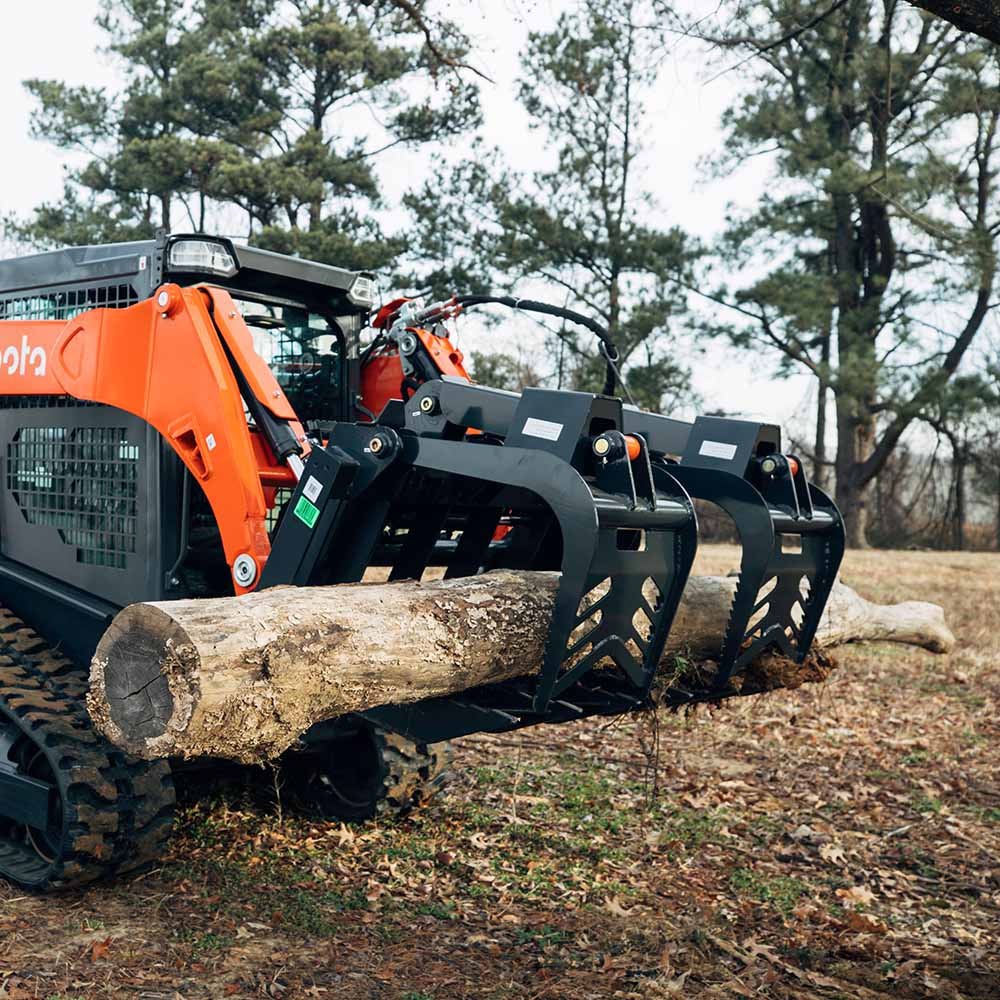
column 608, row 349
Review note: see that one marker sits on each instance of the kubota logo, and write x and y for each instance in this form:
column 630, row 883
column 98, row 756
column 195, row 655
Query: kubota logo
column 16, row 360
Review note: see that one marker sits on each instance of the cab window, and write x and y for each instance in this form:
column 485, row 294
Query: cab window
column 304, row 351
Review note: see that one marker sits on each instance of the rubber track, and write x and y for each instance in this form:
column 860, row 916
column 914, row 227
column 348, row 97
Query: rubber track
column 415, row 772
column 117, row 811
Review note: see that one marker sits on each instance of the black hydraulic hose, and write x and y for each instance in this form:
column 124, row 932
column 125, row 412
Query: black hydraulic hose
column 184, row 545
column 530, row 305
column 609, row 351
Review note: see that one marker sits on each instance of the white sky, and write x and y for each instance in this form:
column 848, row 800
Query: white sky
column 58, row 39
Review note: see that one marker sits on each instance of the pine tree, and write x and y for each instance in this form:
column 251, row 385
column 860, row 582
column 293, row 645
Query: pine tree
column 137, row 143
column 318, row 180
column 580, row 228
column 247, row 110
column 961, row 414
column 876, row 242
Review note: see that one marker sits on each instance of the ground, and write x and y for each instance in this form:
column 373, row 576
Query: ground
column 838, row 841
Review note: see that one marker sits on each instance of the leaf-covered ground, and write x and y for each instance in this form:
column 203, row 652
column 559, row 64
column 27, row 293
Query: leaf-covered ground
column 840, row 841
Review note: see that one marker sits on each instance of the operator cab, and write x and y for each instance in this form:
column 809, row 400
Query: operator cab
column 305, row 317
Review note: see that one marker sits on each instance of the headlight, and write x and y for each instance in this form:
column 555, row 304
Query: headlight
column 363, row 291
column 202, row 256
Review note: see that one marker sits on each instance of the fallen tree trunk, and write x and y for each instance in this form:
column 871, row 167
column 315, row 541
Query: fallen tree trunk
column 243, row 678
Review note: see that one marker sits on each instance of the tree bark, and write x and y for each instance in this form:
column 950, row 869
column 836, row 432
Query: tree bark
column 981, row 17
column 960, row 460
column 243, row 678
column 821, row 468
column 997, row 498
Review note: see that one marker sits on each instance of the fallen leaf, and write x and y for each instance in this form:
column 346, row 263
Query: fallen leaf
column 857, row 895
column 673, row 985
column 863, row 923
column 100, row 949
column 614, row 905
column 757, row 950
column 833, row 853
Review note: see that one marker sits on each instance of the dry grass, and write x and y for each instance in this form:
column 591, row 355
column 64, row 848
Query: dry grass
column 834, row 842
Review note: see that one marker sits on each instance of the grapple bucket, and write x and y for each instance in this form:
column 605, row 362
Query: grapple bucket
column 529, row 491
column 791, row 532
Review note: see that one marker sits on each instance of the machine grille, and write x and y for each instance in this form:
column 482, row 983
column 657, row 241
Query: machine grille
column 66, row 303
column 82, row 481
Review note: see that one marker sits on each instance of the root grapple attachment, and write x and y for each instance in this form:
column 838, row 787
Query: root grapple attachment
column 791, row 533
column 472, row 479
column 621, row 532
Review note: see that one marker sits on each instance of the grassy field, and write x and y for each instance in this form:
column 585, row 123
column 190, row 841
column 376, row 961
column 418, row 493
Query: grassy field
column 839, row 841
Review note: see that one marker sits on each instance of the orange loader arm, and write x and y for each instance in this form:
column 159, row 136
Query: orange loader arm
column 167, row 360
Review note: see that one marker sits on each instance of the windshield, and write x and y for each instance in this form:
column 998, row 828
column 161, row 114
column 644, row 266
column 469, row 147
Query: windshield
column 304, row 351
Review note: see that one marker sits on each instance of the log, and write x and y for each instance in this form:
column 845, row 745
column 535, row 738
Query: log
column 848, row 617
column 243, row 678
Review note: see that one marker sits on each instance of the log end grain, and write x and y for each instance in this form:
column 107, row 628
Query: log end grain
column 142, row 684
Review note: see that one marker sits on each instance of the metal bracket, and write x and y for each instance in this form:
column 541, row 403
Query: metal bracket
column 332, row 476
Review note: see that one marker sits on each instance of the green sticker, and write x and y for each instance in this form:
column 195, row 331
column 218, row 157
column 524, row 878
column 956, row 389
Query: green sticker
column 306, row 512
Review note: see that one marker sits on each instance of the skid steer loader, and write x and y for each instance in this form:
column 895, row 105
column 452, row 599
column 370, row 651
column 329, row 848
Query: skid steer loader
column 184, row 417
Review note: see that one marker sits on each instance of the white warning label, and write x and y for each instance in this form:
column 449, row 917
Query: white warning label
column 547, row 429
column 312, row 489
column 718, row 449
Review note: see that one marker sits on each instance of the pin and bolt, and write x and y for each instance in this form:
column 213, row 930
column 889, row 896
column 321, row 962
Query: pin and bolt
column 380, row 445
column 606, row 446
column 775, row 465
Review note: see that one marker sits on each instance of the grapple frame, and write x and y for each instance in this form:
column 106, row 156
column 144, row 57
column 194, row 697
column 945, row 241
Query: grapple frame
column 388, row 493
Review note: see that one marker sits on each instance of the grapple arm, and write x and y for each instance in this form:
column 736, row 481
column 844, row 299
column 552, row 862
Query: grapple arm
column 791, row 532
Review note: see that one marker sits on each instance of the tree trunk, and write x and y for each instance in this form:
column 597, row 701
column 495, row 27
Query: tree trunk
column 244, row 677
column 852, row 500
column 855, row 439
column 959, row 460
column 981, row 17
column 821, row 470
column 998, row 518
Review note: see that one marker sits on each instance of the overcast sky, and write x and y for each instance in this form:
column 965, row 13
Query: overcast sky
column 58, row 39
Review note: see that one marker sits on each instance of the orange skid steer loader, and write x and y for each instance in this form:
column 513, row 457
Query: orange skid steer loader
column 184, row 418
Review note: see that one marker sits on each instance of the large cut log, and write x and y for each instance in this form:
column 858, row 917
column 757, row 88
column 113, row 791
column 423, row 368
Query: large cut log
column 243, row 678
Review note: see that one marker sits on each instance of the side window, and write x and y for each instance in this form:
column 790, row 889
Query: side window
column 305, row 353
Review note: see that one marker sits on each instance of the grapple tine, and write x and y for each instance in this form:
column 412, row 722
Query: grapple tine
column 753, row 523
column 780, row 594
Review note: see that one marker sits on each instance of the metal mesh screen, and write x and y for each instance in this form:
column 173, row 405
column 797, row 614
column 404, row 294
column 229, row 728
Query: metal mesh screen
column 66, row 303
column 82, row 481
column 281, row 497
column 43, row 402
column 303, row 351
